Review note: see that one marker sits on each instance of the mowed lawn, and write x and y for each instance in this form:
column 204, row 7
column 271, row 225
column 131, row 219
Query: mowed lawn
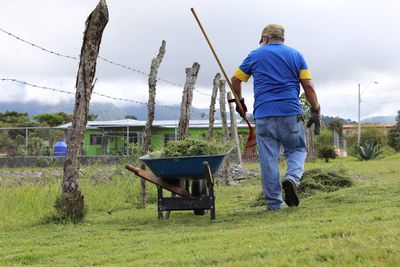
column 357, row 226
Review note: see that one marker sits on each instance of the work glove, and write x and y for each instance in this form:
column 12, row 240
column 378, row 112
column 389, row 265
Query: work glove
column 237, row 107
column 315, row 119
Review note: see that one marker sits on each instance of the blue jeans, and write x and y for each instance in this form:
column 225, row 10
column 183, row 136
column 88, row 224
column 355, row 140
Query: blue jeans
column 271, row 133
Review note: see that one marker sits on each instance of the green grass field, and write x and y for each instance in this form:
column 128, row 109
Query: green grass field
column 357, row 226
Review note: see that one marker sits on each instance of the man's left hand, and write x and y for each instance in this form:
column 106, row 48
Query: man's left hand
column 315, row 119
column 237, row 107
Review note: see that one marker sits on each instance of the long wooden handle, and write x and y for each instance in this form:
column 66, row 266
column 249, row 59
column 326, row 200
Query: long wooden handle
column 158, row 181
column 217, row 59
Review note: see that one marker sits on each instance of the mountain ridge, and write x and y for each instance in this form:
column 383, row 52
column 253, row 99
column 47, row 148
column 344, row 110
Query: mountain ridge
column 109, row 111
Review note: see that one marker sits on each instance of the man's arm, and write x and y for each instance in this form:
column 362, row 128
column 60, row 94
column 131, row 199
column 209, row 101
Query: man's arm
column 311, row 96
column 237, row 90
column 237, row 86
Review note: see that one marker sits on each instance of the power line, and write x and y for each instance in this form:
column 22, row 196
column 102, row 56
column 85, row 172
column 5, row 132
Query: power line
column 77, row 58
column 37, row 46
column 100, row 57
column 96, row 93
column 73, row 93
column 37, row 86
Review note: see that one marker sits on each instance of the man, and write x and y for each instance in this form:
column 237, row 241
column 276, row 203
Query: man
column 277, row 71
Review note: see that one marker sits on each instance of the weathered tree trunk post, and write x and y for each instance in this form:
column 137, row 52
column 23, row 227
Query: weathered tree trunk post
column 222, row 101
column 71, row 204
column 187, row 97
column 212, row 107
column 225, row 134
column 234, row 131
column 155, row 64
column 311, row 149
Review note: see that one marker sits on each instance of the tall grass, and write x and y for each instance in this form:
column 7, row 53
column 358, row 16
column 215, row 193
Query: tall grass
column 28, row 203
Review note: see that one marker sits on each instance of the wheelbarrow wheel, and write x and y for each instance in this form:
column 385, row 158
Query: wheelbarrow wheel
column 199, row 188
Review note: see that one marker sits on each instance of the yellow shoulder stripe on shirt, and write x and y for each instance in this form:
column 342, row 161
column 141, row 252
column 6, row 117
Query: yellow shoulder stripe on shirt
column 241, row 75
column 305, row 74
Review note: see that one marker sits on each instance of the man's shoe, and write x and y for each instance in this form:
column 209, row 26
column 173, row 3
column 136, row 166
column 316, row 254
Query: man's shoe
column 269, row 209
column 291, row 196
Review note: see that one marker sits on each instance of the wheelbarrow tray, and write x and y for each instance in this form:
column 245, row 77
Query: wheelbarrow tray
column 182, row 167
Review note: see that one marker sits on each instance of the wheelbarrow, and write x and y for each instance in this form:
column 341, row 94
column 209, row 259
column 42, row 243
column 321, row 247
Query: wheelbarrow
column 189, row 179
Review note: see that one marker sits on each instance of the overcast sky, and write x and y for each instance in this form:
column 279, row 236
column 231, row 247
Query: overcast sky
column 344, row 42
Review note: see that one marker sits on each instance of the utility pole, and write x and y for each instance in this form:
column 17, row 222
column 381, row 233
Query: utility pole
column 359, row 121
column 359, row 110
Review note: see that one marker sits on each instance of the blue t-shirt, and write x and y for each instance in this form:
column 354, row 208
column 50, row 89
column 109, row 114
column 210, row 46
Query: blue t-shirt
column 276, row 70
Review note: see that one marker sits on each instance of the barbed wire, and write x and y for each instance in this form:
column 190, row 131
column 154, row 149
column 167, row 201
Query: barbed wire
column 99, row 57
column 37, row 46
column 94, row 92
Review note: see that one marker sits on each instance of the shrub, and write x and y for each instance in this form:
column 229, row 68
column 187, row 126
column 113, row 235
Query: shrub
column 368, row 151
column 327, row 152
column 325, row 138
column 394, row 138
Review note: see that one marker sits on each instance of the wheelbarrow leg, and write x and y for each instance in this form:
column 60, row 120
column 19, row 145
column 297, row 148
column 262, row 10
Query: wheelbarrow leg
column 212, row 201
column 159, row 203
column 168, row 212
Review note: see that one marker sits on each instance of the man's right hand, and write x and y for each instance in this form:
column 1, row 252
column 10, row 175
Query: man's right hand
column 237, row 107
column 315, row 119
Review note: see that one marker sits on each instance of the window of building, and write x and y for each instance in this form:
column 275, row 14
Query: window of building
column 135, row 138
column 95, row 139
column 168, row 137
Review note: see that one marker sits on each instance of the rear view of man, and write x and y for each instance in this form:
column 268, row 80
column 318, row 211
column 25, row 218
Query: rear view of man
column 278, row 71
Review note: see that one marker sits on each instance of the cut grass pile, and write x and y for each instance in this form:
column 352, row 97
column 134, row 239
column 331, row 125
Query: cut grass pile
column 315, row 181
column 324, row 180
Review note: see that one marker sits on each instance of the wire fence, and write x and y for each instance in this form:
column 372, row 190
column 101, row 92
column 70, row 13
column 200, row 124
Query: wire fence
column 94, row 92
column 133, row 69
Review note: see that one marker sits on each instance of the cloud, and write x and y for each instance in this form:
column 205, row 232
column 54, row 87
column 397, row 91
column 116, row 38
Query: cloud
column 344, row 43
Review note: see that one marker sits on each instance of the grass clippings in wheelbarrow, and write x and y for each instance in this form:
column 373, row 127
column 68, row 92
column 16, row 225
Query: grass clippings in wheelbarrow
column 191, row 147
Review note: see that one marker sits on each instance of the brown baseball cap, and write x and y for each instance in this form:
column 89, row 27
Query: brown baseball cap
column 273, row 30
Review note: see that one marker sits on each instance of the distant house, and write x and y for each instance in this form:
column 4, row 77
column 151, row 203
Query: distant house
column 349, row 130
column 112, row 137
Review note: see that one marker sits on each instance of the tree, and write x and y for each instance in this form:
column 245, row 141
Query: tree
column 130, row 117
column 50, row 119
column 16, row 118
column 336, row 125
column 70, row 205
column 325, row 138
column 67, row 117
column 394, row 134
column 91, row 117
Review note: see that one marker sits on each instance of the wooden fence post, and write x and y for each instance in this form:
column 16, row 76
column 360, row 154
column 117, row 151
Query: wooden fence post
column 234, row 131
column 225, row 134
column 310, row 138
column 211, row 114
column 71, row 195
column 222, row 102
column 155, row 64
column 187, row 97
